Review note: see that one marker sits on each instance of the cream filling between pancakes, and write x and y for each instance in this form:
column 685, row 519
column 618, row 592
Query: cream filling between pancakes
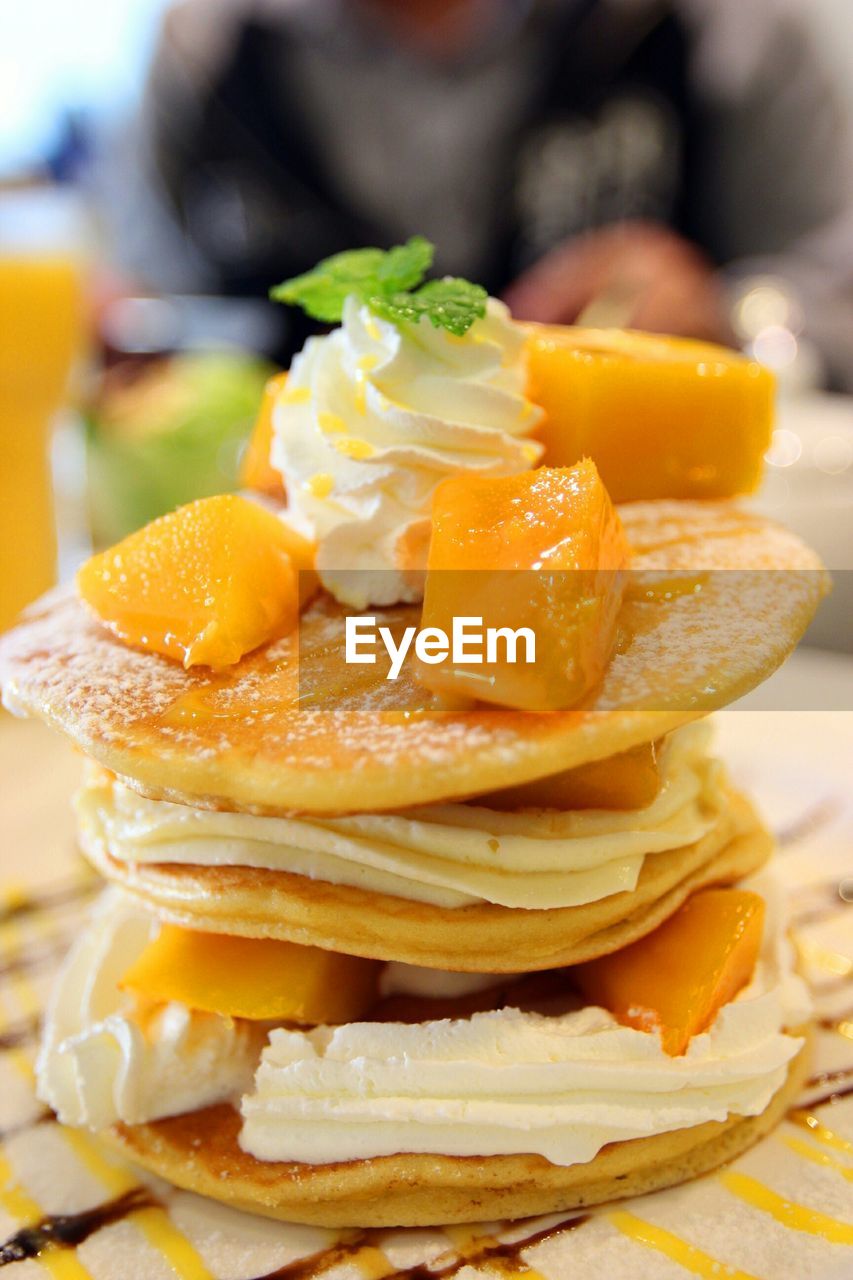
column 448, row 855
column 495, row 1083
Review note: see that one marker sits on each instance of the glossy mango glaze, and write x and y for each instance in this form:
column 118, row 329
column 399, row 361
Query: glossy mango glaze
column 204, row 585
column 628, row 780
column 256, row 471
column 678, row 977
column 543, row 550
column 255, row 978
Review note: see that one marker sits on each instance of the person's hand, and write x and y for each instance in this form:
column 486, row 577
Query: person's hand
column 655, row 279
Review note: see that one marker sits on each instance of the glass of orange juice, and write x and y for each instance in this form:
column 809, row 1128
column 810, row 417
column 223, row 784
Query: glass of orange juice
column 41, row 323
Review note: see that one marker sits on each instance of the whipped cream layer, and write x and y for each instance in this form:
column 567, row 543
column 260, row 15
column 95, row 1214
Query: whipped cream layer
column 510, row 1082
column 448, row 855
column 494, row 1083
column 105, row 1057
column 372, row 417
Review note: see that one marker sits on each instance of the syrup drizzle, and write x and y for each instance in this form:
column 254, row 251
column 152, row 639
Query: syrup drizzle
column 795, row 1216
column 672, row 1246
column 19, row 1033
column 809, row 823
column 364, row 1251
column 813, row 1125
column 67, row 1230
column 820, row 902
column 32, row 903
column 840, row 1022
column 43, row 1116
column 18, row 963
column 843, row 1078
column 54, row 1233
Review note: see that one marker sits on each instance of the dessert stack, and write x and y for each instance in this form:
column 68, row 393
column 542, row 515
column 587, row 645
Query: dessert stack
column 428, row 900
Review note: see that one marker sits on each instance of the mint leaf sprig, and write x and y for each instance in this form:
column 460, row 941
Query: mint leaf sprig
column 389, row 283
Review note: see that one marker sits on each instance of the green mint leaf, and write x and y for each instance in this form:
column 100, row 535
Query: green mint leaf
column 363, row 272
column 450, row 304
column 405, row 266
column 388, row 282
column 321, row 299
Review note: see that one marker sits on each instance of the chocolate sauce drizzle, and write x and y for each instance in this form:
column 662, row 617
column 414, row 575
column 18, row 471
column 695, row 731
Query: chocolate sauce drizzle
column 28, row 961
column 813, row 820
column 834, row 1021
column 842, row 1078
column 43, row 1116
column 503, row 1258
column 67, row 1230
column 19, row 1033
column 32, row 903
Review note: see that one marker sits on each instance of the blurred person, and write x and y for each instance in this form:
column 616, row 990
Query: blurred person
column 555, row 150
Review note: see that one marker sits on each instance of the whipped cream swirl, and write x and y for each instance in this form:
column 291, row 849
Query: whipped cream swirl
column 495, row 1083
column 508, row 1082
column 372, row 417
column 107, row 1057
column 448, row 855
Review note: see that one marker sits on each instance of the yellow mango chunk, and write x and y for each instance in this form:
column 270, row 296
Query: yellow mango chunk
column 678, row 977
column 542, row 550
column 257, row 978
column 629, row 780
column 660, row 417
column 256, row 471
column 204, row 584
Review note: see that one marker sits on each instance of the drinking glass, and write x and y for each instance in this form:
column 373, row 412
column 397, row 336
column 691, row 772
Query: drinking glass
column 41, row 329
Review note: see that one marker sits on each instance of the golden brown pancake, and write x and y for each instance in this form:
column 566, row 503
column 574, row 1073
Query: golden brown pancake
column 343, row 739
column 200, row 1151
column 480, row 938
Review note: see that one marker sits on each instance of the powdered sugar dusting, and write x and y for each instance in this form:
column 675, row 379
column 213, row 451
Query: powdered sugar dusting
column 261, row 736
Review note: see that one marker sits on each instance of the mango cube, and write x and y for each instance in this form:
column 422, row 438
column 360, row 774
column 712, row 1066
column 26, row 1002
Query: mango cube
column 629, row 780
column 204, row 584
column 660, row 417
column 257, row 472
column 257, row 978
column 544, row 551
column 678, row 977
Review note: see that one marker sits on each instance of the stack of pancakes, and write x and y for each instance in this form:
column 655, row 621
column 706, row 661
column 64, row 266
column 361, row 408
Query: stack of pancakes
column 290, row 799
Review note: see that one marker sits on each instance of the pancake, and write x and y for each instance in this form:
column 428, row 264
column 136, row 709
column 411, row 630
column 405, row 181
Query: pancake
column 199, row 1151
column 332, row 738
column 480, row 938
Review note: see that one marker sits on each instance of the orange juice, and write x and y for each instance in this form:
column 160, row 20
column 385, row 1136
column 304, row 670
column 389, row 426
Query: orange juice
column 40, row 329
